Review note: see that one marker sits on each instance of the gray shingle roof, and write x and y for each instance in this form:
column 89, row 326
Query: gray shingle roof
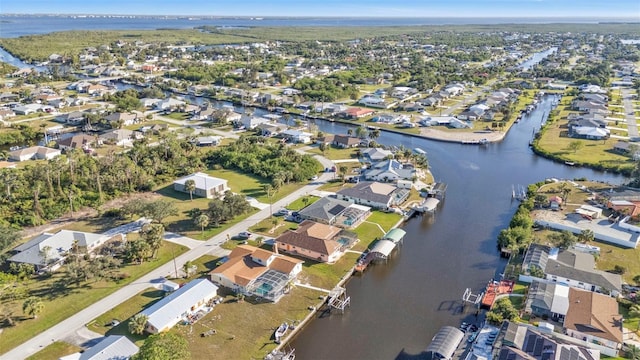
column 114, row 347
column 325, row 209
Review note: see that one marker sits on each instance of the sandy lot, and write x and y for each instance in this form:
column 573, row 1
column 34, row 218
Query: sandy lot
column 434, row 134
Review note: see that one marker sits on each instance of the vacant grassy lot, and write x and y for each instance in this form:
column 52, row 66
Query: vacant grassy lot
column 300, row 203
column 267, row 228
column 253, row 186
column 55, row 351
column 335, row 153
column 61, row 303
column 335, row 185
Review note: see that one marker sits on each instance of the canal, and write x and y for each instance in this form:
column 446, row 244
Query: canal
column 398, row 307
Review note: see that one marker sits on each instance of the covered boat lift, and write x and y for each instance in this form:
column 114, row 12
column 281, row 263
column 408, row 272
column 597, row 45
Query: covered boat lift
column 445, row 342
column 382, row 249
column 396, row 235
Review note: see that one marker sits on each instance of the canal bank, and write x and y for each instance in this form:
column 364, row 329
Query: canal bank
column 397, row 308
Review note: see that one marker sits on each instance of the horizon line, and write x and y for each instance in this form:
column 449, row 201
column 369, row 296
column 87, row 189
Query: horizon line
column 332, row 17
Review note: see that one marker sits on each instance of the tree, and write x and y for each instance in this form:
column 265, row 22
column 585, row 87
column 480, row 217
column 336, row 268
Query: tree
column 343, row 172
column 322, row 147
column 575, row 145
column 158, row 210
column 6, row 315
column 374, row 134
column 361, row 132
column 540, row 200
column 138, row 323
column 153, row 234
column 33, row 306
column 586, row 235
column 633, row 352
column 190, row 186
column 202, row 221
column 163, row 346
column 636, row 279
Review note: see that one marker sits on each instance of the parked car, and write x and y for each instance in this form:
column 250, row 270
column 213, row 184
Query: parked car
column 244, row 235
column 314, row 178
column 281, row 212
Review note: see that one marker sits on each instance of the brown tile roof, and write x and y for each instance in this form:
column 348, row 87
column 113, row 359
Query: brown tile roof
column 242, row 270
column 594, row 314
column 312, row 236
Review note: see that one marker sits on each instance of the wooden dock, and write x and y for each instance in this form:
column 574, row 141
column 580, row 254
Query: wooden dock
column 495, row 288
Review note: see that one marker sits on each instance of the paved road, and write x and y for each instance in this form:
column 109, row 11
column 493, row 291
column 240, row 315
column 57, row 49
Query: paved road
column 69, row 326
column 632, row 124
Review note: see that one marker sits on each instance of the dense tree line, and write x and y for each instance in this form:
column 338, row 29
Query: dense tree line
column 252, row 155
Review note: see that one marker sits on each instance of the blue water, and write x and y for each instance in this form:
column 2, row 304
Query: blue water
column 19, row 25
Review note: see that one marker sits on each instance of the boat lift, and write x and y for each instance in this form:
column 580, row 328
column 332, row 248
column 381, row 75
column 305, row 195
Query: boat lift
column 472, row 298
column 338, row 299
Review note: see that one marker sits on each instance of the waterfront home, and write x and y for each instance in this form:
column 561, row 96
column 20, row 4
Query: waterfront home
column 594, row 318
column 149, row 102
column 573, row 268
column 390, row 170
column 251, row 122
column 588, row 106
column 332, row 211
column 373, row 155
column 180, row 305
column 589, row 132
column 48, row 251
column 374, row 194
column 270, row 129
column 547, row 300
column 593, row 89
column 316, row 241
column 205, row 186
column 375, row 102
column 345, row 141
column 34, row 153
column 112, row 347
column 169, row 104
column 524, row 341
column 297, row 136
column 357, row 113
column 254, row 271
column 80, row 141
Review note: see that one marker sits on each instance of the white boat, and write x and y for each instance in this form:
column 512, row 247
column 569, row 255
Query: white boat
column 280, row 331
column 420, row 151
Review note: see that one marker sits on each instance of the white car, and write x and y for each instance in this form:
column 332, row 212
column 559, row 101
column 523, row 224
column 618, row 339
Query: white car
column 314, row 178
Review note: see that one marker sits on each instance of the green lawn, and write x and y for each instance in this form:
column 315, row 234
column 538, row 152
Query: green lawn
column 300, row 203
column 325, row 275
column 55, row 351
column 335, row 153
column 520, row 288
column 268, row 229
column 59, row 305
column 251, row 185
column 335, row 185
column 386, row 220
column 611, row 255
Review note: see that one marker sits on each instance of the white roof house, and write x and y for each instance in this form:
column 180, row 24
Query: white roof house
column 55, row 247
column 187, row 300
column 113, row 347
column 34, row 153
column 206, row 186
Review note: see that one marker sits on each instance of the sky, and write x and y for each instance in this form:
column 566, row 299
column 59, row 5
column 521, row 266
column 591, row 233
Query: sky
column 334, row 8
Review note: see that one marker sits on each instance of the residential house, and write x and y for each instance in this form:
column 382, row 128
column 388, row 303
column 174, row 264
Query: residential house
column 390, row 170
column 208, row 140
column 119, row 137
column 169, row 104
column 596, row 98
column 80, row 141
column 345, row 141
column 180, row 305
column 206, row 186
column 112, row 347
column 430, row 101
column 593, row 89
column 270, row 129
column 98, row 90
column 254, row 271
column 594, row 318
column 374, row 194
column 320, row 242
column 119, row 119
column 297, row 136
column 357, row 113
column 589, row 132
column 471, row 115
column 72, row 118
column 150, row 102
column 250, row 122
column 373, row 155
column 9, row 97
column 547, row 300
column 326, row 139
column 390, row 118
column 403, row 92
column 27, row 109
column 588, row 106
column 375, row 102
column 573, row 268
column 332, row 211
column 6, row 113
column 48, row 251
column 525, row 342
column 34, row 153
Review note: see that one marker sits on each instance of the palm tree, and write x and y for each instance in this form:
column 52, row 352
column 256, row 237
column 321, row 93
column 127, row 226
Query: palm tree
column 33, row 306
column 203, row 221
column 190, row 186
column 633, row 352
column 343, row 172
column 138, row 323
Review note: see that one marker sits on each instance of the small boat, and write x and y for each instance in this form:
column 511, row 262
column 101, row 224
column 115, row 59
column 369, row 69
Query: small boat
column 280, row 331
column 570, row 163
column 420, row 151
